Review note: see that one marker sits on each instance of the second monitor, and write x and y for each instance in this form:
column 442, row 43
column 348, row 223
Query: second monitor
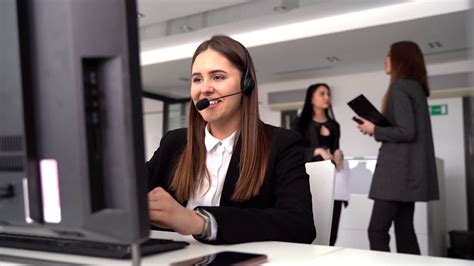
column 71, row 137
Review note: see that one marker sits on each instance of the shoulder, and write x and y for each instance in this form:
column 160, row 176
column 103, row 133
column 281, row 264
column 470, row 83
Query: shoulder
column 334, row 123
column 406, row 86
column 174, row 137
column 176, row 133
column 295, row 123
column 282, row 135
column 287, row 145
column 297, row 119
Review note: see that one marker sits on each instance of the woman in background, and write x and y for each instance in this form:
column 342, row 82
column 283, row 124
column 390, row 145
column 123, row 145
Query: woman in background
column 406, row 170
column 321, row 133
column 229, row 178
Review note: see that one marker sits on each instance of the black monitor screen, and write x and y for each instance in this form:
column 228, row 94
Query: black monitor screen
column 71, row 134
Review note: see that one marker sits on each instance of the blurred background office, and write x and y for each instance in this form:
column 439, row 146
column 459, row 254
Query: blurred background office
column 299, row 42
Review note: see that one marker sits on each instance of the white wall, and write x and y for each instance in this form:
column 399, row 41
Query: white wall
column 429, row 219
column 343, row 89
column 447, row 130
column 152, row 125
column 448, row 135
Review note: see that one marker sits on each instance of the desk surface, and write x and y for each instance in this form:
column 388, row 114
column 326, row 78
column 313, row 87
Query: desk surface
column 277, row 252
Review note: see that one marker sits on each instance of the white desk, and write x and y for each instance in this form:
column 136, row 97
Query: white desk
column 277, row 252
column 351, row 256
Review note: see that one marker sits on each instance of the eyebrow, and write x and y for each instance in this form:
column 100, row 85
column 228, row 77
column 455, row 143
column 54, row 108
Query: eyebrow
column 210, row 72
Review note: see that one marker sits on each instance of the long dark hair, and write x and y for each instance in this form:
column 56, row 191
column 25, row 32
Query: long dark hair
column 307, row 113
column 255, row 142
column 407, row 62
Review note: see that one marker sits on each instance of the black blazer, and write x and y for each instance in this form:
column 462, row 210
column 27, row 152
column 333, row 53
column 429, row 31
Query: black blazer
column 282, row 210
column 406, row 167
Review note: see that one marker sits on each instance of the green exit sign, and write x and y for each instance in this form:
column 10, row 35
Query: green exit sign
column 439, row 109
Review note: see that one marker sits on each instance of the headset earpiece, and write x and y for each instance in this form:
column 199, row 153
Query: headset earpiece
column 247, row 84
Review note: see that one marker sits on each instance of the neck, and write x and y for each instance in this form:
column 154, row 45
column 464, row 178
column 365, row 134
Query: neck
column 319, row 115
column 223, row 130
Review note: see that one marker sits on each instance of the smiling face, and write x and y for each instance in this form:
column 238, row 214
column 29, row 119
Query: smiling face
column 214, row 76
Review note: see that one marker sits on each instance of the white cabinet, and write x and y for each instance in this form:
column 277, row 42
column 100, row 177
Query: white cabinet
column 429, row 217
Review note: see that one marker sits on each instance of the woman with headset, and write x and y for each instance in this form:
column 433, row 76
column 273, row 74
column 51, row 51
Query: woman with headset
column 228, row 177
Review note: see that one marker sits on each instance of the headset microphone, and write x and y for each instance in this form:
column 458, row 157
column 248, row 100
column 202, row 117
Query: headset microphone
column 204, row 103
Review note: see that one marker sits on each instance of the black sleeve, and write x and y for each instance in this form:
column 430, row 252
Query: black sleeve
column 337, row 136
column 294, row 125
column 161, row 164
column 290, row 217
column 150, row 166
column 404, row 117
column 308, row 151
column 309, row 155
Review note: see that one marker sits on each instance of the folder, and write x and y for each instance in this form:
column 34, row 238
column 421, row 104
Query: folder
column 365, row 109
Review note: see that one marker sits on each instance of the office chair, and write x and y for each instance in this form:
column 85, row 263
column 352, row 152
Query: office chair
column 322, row 183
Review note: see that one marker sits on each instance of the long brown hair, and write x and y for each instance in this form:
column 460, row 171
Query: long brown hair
column 407, row 62
column 254, row 153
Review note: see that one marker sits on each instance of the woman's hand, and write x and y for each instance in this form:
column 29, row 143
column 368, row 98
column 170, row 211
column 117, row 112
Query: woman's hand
column 166, row 212
column 367, row 127
column 339, row 159
column 323, row 153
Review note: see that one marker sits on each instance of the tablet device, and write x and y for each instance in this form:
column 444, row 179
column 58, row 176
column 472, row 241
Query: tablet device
column 363, row 108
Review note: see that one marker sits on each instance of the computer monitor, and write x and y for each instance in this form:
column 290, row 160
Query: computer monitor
column 71, row 134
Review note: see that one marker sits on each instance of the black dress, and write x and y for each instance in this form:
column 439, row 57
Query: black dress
column 314, row 139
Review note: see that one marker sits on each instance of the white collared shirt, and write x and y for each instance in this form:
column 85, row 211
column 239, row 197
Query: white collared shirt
column 219, row 153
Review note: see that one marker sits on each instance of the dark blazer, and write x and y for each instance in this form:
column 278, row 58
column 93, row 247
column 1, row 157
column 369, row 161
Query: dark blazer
column 406, row 167
column 282, row 210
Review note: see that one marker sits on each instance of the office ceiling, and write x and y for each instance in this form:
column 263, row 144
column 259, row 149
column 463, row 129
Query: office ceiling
column 156, row 11
column 442, row 38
